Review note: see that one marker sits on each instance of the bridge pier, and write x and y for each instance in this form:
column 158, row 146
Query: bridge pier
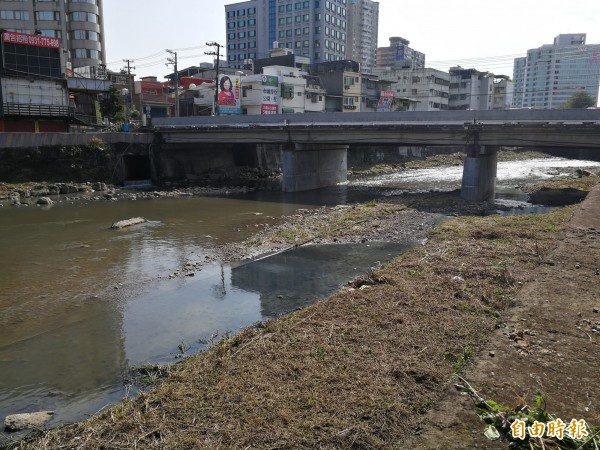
column 312, row 166
column 479, row 173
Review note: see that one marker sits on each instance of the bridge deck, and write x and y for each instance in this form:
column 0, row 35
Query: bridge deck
column 549, row 128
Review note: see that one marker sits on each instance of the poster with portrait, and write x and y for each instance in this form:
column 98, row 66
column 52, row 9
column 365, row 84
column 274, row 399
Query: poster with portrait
column 229, row 95
column 386, row 100
column 270, row 95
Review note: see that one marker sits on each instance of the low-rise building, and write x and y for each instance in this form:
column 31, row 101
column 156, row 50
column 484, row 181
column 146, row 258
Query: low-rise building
column 470, row 89
column 502, row 97
column 417, row 89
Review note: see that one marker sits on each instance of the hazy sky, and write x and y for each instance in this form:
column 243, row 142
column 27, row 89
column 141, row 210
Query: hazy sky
column 485, row 35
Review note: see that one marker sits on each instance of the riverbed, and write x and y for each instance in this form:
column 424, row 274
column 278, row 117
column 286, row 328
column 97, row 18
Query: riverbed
column 82, row 303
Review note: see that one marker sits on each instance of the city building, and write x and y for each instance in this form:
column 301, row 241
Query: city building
column 33, row 90
column 418, row 89
column 342, row 82
column 470, row 89
column 503, row 91
column 315, row 29
column 276, row 90
column 77, row 23
column 399, row 55
column 363, row 25
column 549, row 75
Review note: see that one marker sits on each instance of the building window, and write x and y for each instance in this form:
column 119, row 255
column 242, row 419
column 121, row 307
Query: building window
column 14, row 15
column 230, row 14
column 85, row 35
column 77, row 16
column 83, row 53
column 287, row 91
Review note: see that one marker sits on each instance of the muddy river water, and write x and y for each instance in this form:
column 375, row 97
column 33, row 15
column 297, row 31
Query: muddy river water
column 80, row 303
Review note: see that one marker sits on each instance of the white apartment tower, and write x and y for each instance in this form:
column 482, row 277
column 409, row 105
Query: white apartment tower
column 363, row 23
column 78, row 23
column 549, row 75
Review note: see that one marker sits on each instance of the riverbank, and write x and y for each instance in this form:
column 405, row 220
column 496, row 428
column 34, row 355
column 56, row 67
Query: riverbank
column 370, row 366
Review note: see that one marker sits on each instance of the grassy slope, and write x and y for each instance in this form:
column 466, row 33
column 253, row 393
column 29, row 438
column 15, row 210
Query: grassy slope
column 352, row 371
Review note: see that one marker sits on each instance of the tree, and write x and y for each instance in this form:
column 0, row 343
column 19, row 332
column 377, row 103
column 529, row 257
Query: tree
column 111, row 104
column 579, row 100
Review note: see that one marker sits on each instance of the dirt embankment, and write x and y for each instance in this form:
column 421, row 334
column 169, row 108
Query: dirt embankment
column 508, row 302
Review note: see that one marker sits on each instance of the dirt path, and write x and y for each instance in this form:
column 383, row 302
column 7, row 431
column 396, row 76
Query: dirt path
column 546, row 344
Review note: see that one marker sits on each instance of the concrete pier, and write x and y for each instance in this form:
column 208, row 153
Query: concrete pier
column 312, row 166
column 479, row 173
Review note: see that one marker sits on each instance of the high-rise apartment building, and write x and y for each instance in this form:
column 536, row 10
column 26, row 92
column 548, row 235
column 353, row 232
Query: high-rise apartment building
column 78, row 24
column 363, row 23
column 399, row 55
column 549, row 75
column 315, row 29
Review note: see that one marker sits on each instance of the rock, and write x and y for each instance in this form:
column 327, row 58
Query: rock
column 17, row 422
column 99, row 187
column 128, row 222
column 15, row 198
column 584, row 173
column 596, row 310
column 45, row 201
column 68, row 189
column 53, row 189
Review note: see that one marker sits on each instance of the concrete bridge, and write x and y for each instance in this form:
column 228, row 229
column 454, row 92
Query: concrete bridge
column 314, row 146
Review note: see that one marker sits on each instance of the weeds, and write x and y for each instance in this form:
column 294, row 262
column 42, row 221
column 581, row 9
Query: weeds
column 531, row 427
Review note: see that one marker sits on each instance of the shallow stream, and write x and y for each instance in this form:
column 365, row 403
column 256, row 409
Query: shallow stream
column 81, row 303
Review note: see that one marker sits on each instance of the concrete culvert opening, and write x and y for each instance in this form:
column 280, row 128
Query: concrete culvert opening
column 136, row 167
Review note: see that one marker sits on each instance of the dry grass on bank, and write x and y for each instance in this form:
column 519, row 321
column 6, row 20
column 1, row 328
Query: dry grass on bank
column 355, row 370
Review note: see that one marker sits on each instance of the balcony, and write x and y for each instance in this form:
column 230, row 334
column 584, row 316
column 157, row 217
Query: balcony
column 31, row 110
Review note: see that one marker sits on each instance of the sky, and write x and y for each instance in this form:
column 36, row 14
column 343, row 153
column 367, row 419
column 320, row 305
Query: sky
column 484, row 35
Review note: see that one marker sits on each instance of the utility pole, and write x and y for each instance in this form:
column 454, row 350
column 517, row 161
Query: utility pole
column 217, row 54
column 130, row 80
column 173, row 60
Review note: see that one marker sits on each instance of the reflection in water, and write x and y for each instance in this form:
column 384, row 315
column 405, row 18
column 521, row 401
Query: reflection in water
column 67, row 282
column 79, row 302
column 295, row 278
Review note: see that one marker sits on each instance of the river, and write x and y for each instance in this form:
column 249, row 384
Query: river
column 81, row 303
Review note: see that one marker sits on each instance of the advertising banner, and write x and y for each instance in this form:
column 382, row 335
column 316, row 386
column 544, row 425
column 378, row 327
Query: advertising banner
column 270, row 95
column 30, row 39
column 229, row 96
column 386, row 101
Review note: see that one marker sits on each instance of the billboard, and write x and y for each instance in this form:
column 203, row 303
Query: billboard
column 386, row 101
column 229, row 95
column 31, row 54
column 270, row 95
column 30, row 39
